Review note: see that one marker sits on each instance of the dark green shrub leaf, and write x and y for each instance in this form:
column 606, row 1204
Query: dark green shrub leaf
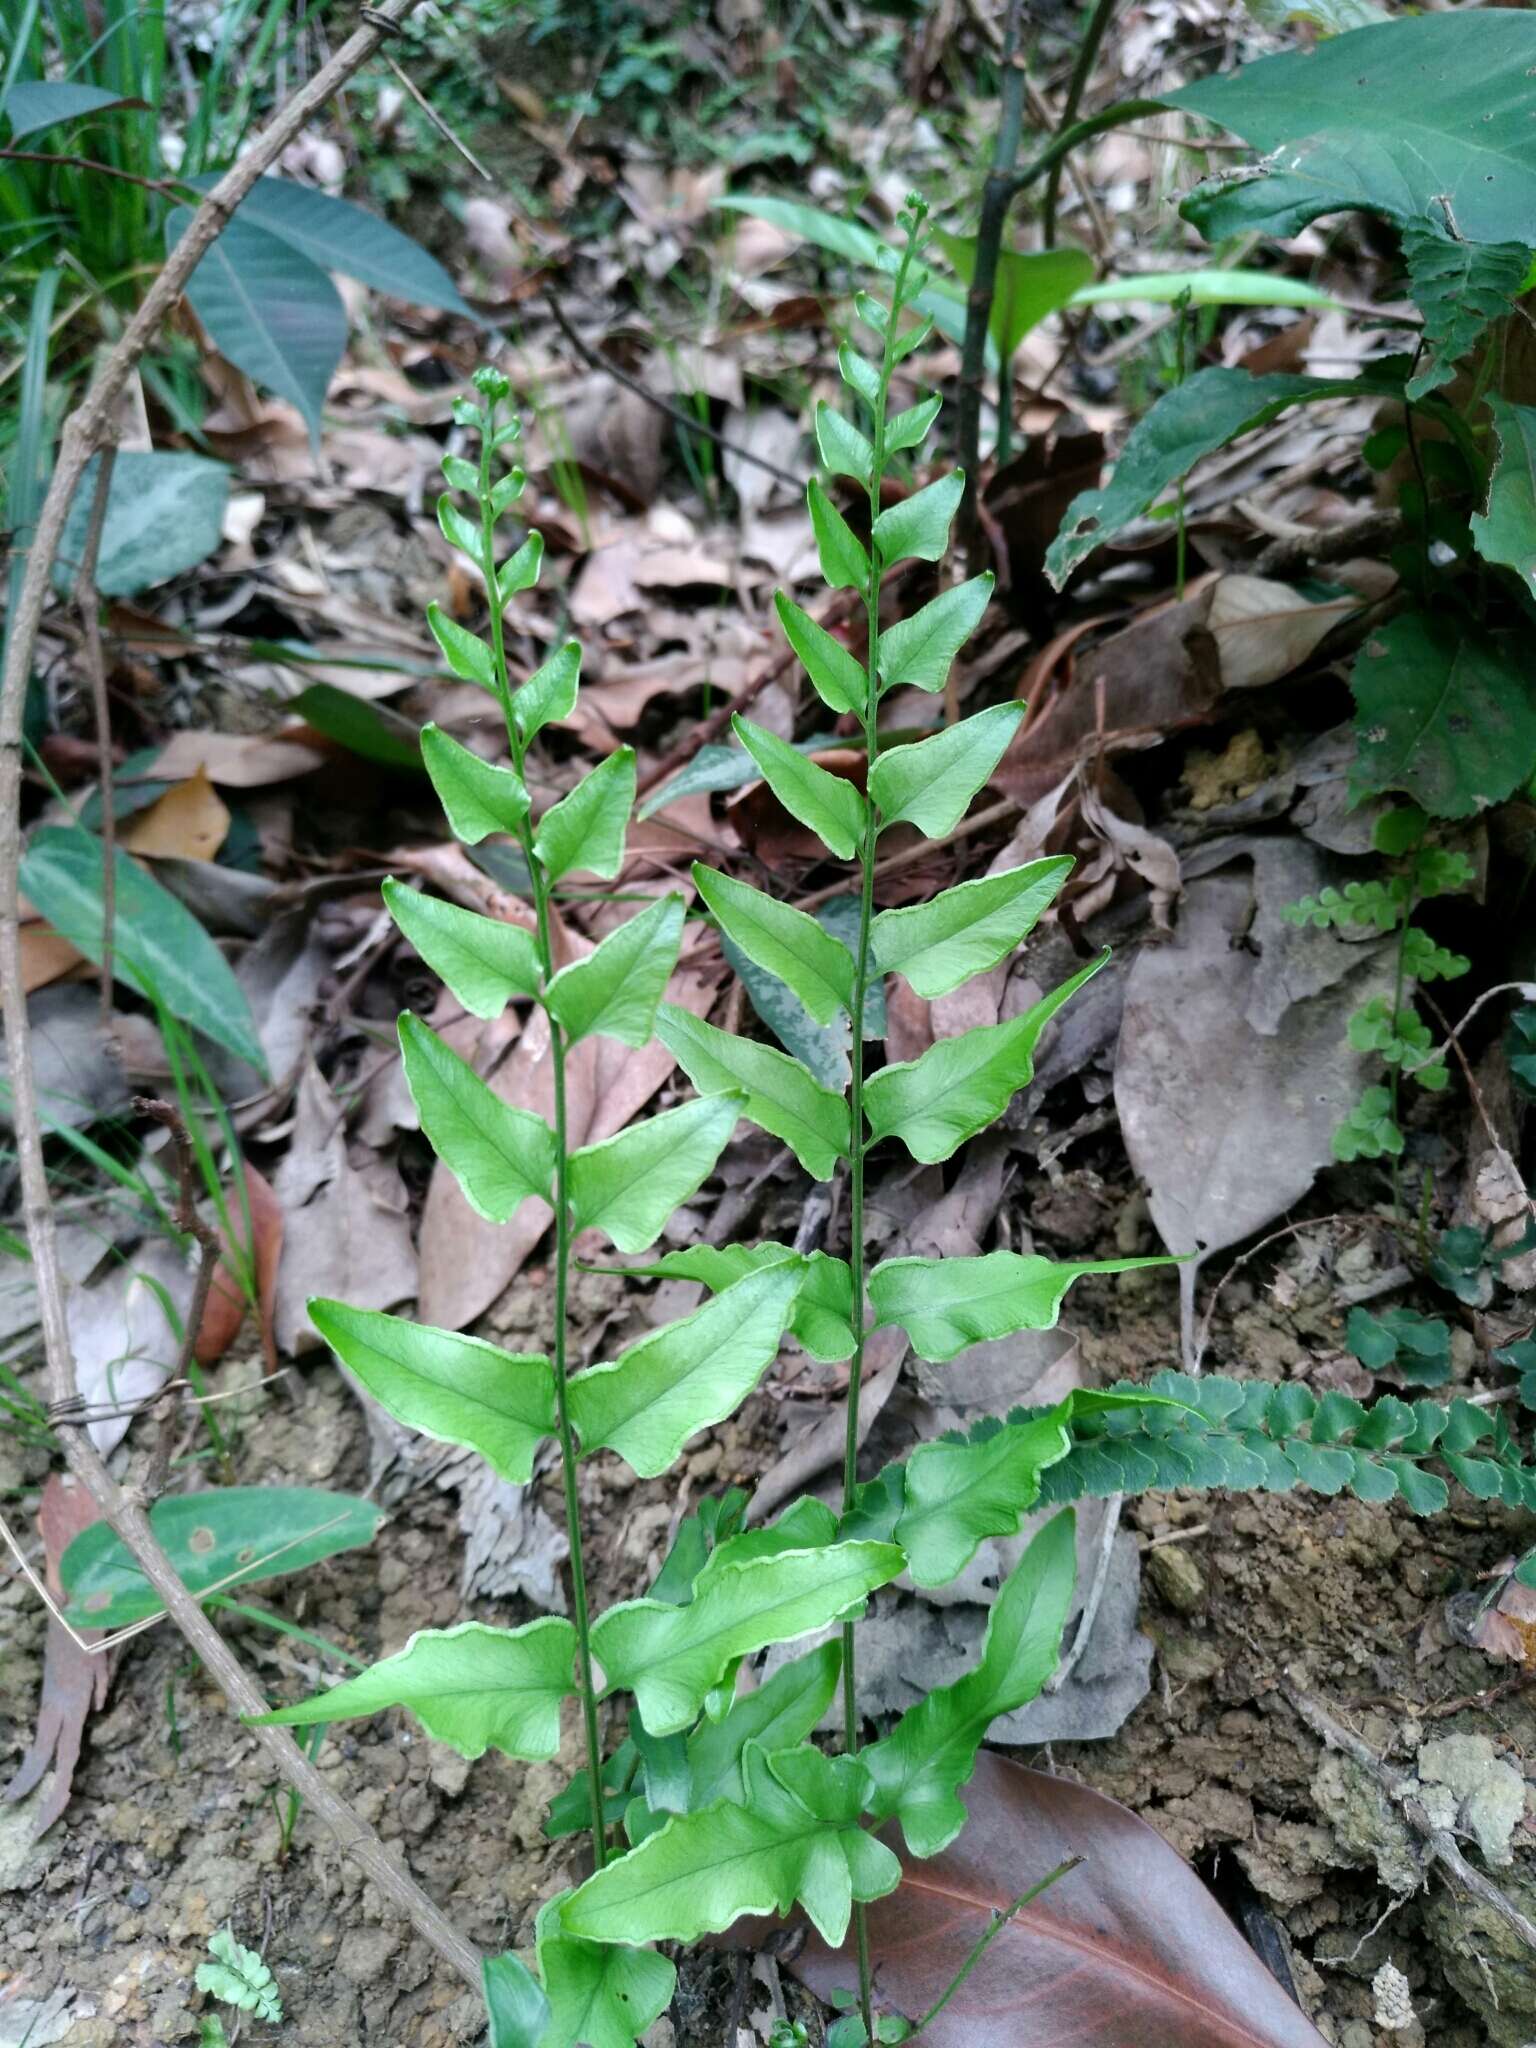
column 1444, row 712
column 165, row 514
column 1461, row 288
column 1506, row 532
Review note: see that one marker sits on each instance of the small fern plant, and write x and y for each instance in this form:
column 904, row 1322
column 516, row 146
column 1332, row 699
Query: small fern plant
column 236, row 1976
column 1390, row 1026
column 718, row 1803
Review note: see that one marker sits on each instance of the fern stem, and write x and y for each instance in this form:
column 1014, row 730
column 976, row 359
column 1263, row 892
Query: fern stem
column 539, row 888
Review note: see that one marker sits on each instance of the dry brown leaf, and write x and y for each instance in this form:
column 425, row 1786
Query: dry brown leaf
column 235, row 760
column 1264, row 630
column 225, row 1309
column 45, row 956
column 190, row 822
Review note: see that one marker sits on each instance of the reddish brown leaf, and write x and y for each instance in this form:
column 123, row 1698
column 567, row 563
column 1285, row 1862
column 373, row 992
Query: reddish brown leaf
column 1127, row 1951
column 74, row 1682
column 225, row 1309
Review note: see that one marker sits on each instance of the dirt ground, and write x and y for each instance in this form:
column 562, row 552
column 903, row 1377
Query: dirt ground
column 174, row 1829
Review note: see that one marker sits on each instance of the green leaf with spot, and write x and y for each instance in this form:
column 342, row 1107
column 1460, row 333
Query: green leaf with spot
column 930, row 783
column 680, row 1379
column 499, row 1155
column 781, row 1096
column 630, row 1184
column 963, row 931
column 615, row 989
column 484, row 960
column 473, row 1687
column 452, row 1388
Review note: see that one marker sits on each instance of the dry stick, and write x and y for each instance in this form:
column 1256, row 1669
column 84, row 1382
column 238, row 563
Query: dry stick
column 210, row 1250
column 83, row 433
column 1402, row 1788
column 688, row 421
column 89, row 600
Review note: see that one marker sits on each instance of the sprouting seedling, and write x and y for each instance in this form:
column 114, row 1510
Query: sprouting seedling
column 716, row 1802
column 236, row 1976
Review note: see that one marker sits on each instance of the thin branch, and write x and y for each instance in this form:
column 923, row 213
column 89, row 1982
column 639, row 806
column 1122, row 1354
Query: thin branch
column 168, row 188
column 83, row 434
column 190, row 1224
column 1082, row 71
column 89, row 600
column 688, row 422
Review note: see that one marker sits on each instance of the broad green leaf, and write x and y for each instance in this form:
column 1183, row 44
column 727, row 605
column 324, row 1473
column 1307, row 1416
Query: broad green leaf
column 919, row 650
column 602, row 1994
column 550, row 692
column 909, row 429
column 1388, row 118
column 844, row 563
column 630, row 1184
column 165, row 514
column 960, row 1085
column 786, row 941
column 671, row 1657
column 1202, row 414
column 919, row 526
column 919, row 1767
column 705, row 1870
column 33, row 104
column 828, row 804
column 860, row 246
column 477, row 797
column 956, row 1495
column 1030, row 284
column 336, row 235
column 585, row 831
column 930, row 783
column 1211, row 287
column 1461, row 288
column 454, row 1389
column 678, row 1380
column 785, row 1710
column 484, row 960
column 820, row 1048
column 838, row 676
column 466, row 653
column 158, row 947
column 967, row 929
column 232, row 1536
column 845, row 450
column 268, row 310
column 515, row 2004
column 946, row 1304
column 473, row 1687
column 1506, row 532
column 615, row 989
column 499, row 1155
column 371, row 731
column 1444, row 712
column 781, row 1095
column 823, row 1315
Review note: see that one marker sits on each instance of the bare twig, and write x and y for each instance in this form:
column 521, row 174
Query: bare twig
column 689, row 422
column 190, row 1224
column 89, row 600
column 1082, row 71
column 1095, row 1599
column 83, row 434
column 1402, row 1788
column 1287, row 553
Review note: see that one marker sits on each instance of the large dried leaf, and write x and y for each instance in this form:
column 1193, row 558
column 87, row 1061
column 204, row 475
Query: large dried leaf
column 1127, row 1951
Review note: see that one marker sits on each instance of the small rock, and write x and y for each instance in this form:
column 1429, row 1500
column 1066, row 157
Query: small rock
column 1186, row 1658
column 365, row 1951
column 1179, row 1581
column 139, row 1896
column 449, row 1771
column 1484, row 1795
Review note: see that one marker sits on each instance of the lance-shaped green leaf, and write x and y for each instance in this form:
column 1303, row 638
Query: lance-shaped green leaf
column 462, row 532
column 823, row 1319
column 1506, row 532
column 845, row 450
column 601, row 1994
column 967, row 929
column 585, row 830
column 466, row 653
column 946, row 1304
column 520, row 571
column 629, row 1185
column 829, row 804
column 499, row 1155
column 478, row 798
column 818, row 967
column 781, row 1095
column 671, row 1657
column 957, row 1495
column 919, row 526
column 1461, row 288
column 549, row 693
column 931, row 1752
column 705, row 1870
column 473, row 1687
column 960, row 1085
column 646, row 1403
column 907, row 429
column 615, row 989
column 515, row 2005
column 839, row 678
column 918, row 651
column 930, row 783
column 784, row 1711
column 484, row 960
column 844, row 563
column 454, row 1389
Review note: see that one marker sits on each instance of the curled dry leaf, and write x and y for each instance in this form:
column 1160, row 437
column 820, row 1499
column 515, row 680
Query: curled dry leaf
column 1128, row 1948
column 225, row 1309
